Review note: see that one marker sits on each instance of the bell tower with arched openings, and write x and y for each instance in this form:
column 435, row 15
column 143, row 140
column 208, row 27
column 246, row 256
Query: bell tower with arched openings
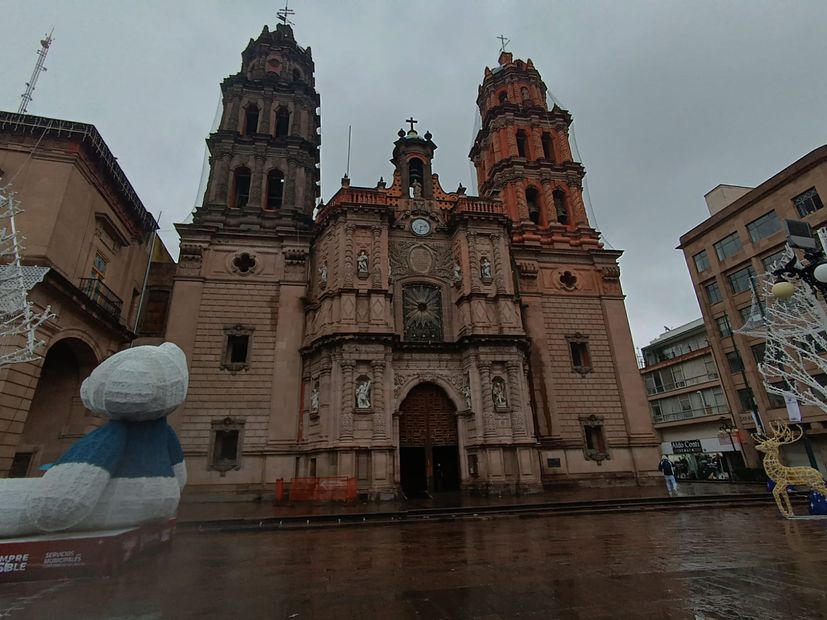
column 590, row 406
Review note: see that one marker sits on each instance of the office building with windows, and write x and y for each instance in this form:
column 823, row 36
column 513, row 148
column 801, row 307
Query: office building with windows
column 744, row 236
column 688, row 405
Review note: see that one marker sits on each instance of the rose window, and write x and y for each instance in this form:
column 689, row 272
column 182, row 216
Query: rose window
column 422, row 313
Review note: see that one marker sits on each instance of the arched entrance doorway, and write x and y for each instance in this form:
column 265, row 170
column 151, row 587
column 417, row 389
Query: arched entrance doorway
column 57, row 417
column 428, row 442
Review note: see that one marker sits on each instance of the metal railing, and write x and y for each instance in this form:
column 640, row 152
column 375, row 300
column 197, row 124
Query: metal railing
column 102, row 296
column 689, row 414
column 677, row 385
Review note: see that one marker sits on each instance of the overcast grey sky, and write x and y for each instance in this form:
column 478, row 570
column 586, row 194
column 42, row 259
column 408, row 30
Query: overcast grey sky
column 669, row 98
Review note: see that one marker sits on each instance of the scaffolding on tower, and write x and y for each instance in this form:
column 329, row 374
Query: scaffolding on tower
column 39, row 67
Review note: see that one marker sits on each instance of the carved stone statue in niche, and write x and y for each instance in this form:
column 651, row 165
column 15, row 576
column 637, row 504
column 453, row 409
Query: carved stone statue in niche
column 323, row 275
column 466, row 392
column 485, row 268
column 362, row 264
column 457, row 273
column 416, row 189
column 363, row 393
column 314, row 398
column 498, row 393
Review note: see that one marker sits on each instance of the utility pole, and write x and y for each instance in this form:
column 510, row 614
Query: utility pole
column 39, row 67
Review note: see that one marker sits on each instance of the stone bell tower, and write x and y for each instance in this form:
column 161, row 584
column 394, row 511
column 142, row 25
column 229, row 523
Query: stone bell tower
column 591, row 409
column 242, row 272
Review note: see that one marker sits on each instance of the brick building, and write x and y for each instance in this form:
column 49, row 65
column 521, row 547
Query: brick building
column 745, row 236
column 411, row 337
column 82, row 219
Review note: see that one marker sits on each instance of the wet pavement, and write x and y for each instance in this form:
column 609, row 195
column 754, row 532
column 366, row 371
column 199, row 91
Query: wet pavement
column 716, row 563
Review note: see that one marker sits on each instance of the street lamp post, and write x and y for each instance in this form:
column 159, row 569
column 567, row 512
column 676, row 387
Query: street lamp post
column 728, row 428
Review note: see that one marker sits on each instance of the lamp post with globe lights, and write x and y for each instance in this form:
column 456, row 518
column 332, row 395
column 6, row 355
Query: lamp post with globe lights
column 813, row 273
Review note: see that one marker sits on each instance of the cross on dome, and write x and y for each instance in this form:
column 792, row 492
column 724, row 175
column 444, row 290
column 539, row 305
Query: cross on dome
column 412, row 122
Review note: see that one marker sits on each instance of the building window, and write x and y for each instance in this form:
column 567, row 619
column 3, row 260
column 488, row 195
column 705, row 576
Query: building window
column 808, row 202
column 241, row 187
column 502, row 96
column 524, row 94
column 594, row 438
column 734, row 361
column 758, row 352
column 237, row 347
column 724, row 328
column 728, row 246
column 581, row 359
column 251, row 119
column 297, row 75
column 532, row 198
column 548, row 151
column 560, row 206
column 20, row 464
column 713, row 293
column 701, row 261
column 746, row 313
column 745, row 399
column 776, row 401
column 521, row 143
column 764, row 226
column 422, row 313
column 741, row 280
column 282, row 122
column 773, row 261
column 275, row 189
column 99, row 266
column 226, row 441
column 154, row 314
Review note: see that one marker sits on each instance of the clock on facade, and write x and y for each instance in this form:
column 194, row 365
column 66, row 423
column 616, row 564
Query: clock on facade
column 421, row 227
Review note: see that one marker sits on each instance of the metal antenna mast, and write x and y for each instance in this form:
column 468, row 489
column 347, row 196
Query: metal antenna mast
column 26, row 98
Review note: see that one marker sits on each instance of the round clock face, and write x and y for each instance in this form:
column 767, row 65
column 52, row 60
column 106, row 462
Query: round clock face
column 421, row 227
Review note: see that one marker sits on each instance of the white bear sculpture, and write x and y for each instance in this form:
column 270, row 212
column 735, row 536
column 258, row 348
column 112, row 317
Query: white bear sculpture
column 125, row 473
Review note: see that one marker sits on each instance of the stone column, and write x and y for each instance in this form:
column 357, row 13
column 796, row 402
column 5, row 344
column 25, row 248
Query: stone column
column 515, row 394
column 266, row 111
column 576, row 205
column 255, row 202
column 548, row 202
column 537, row 142
column 376, row 279
column 232, row 117
column 499, row 275
column 511, row 137
column 522, row 205
column 346, row 429
column 490, row 421
column 563, row 141
column 473, row 259
column 220, row 180
column 379, row 431
column 349, row 256
column 325, row 392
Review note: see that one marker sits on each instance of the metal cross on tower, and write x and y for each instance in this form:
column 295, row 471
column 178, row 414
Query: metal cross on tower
column 411, row 121
column 26, row 97
column 503, row 42
column 282, row 14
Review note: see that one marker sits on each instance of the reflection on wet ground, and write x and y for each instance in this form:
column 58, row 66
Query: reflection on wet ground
column 716, row 563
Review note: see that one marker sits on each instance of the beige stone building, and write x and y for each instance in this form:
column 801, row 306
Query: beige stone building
column 689, row 408
column 83, row 220
column 407, row 337
column 743, row 236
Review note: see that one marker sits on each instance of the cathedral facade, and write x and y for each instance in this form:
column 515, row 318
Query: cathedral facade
column 407, row 337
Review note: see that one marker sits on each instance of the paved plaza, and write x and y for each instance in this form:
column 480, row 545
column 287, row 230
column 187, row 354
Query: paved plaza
column 715, row 563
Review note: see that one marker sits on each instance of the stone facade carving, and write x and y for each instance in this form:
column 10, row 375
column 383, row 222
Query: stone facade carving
column 363, row 393
column 498, row 393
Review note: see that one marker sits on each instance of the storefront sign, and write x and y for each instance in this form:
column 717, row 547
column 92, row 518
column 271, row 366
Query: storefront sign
column 686, row 446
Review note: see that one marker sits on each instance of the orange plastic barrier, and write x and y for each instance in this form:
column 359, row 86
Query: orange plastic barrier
column 331, row 489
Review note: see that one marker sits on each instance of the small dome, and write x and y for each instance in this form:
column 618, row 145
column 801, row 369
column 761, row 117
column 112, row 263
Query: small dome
column 412, row 134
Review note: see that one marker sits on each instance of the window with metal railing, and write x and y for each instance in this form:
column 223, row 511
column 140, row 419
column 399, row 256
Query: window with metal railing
column 102, row 296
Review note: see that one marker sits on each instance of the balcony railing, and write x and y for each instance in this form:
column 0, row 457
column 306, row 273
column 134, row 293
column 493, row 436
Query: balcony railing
column 102, row 296
column 677, row 385
column 689, row 414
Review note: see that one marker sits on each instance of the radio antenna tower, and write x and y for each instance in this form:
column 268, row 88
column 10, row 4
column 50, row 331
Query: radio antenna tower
column 26, row 98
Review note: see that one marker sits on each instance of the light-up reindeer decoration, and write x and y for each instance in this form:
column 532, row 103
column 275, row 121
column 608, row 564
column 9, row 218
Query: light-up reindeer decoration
column 782, row 475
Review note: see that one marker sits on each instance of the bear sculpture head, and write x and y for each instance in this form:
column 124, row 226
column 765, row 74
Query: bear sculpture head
column 138, row 384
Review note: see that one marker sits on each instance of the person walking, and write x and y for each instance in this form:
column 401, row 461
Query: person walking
column 668, row 470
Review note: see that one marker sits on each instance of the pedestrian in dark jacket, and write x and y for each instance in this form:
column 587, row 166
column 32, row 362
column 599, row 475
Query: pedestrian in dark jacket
column 665, row 466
